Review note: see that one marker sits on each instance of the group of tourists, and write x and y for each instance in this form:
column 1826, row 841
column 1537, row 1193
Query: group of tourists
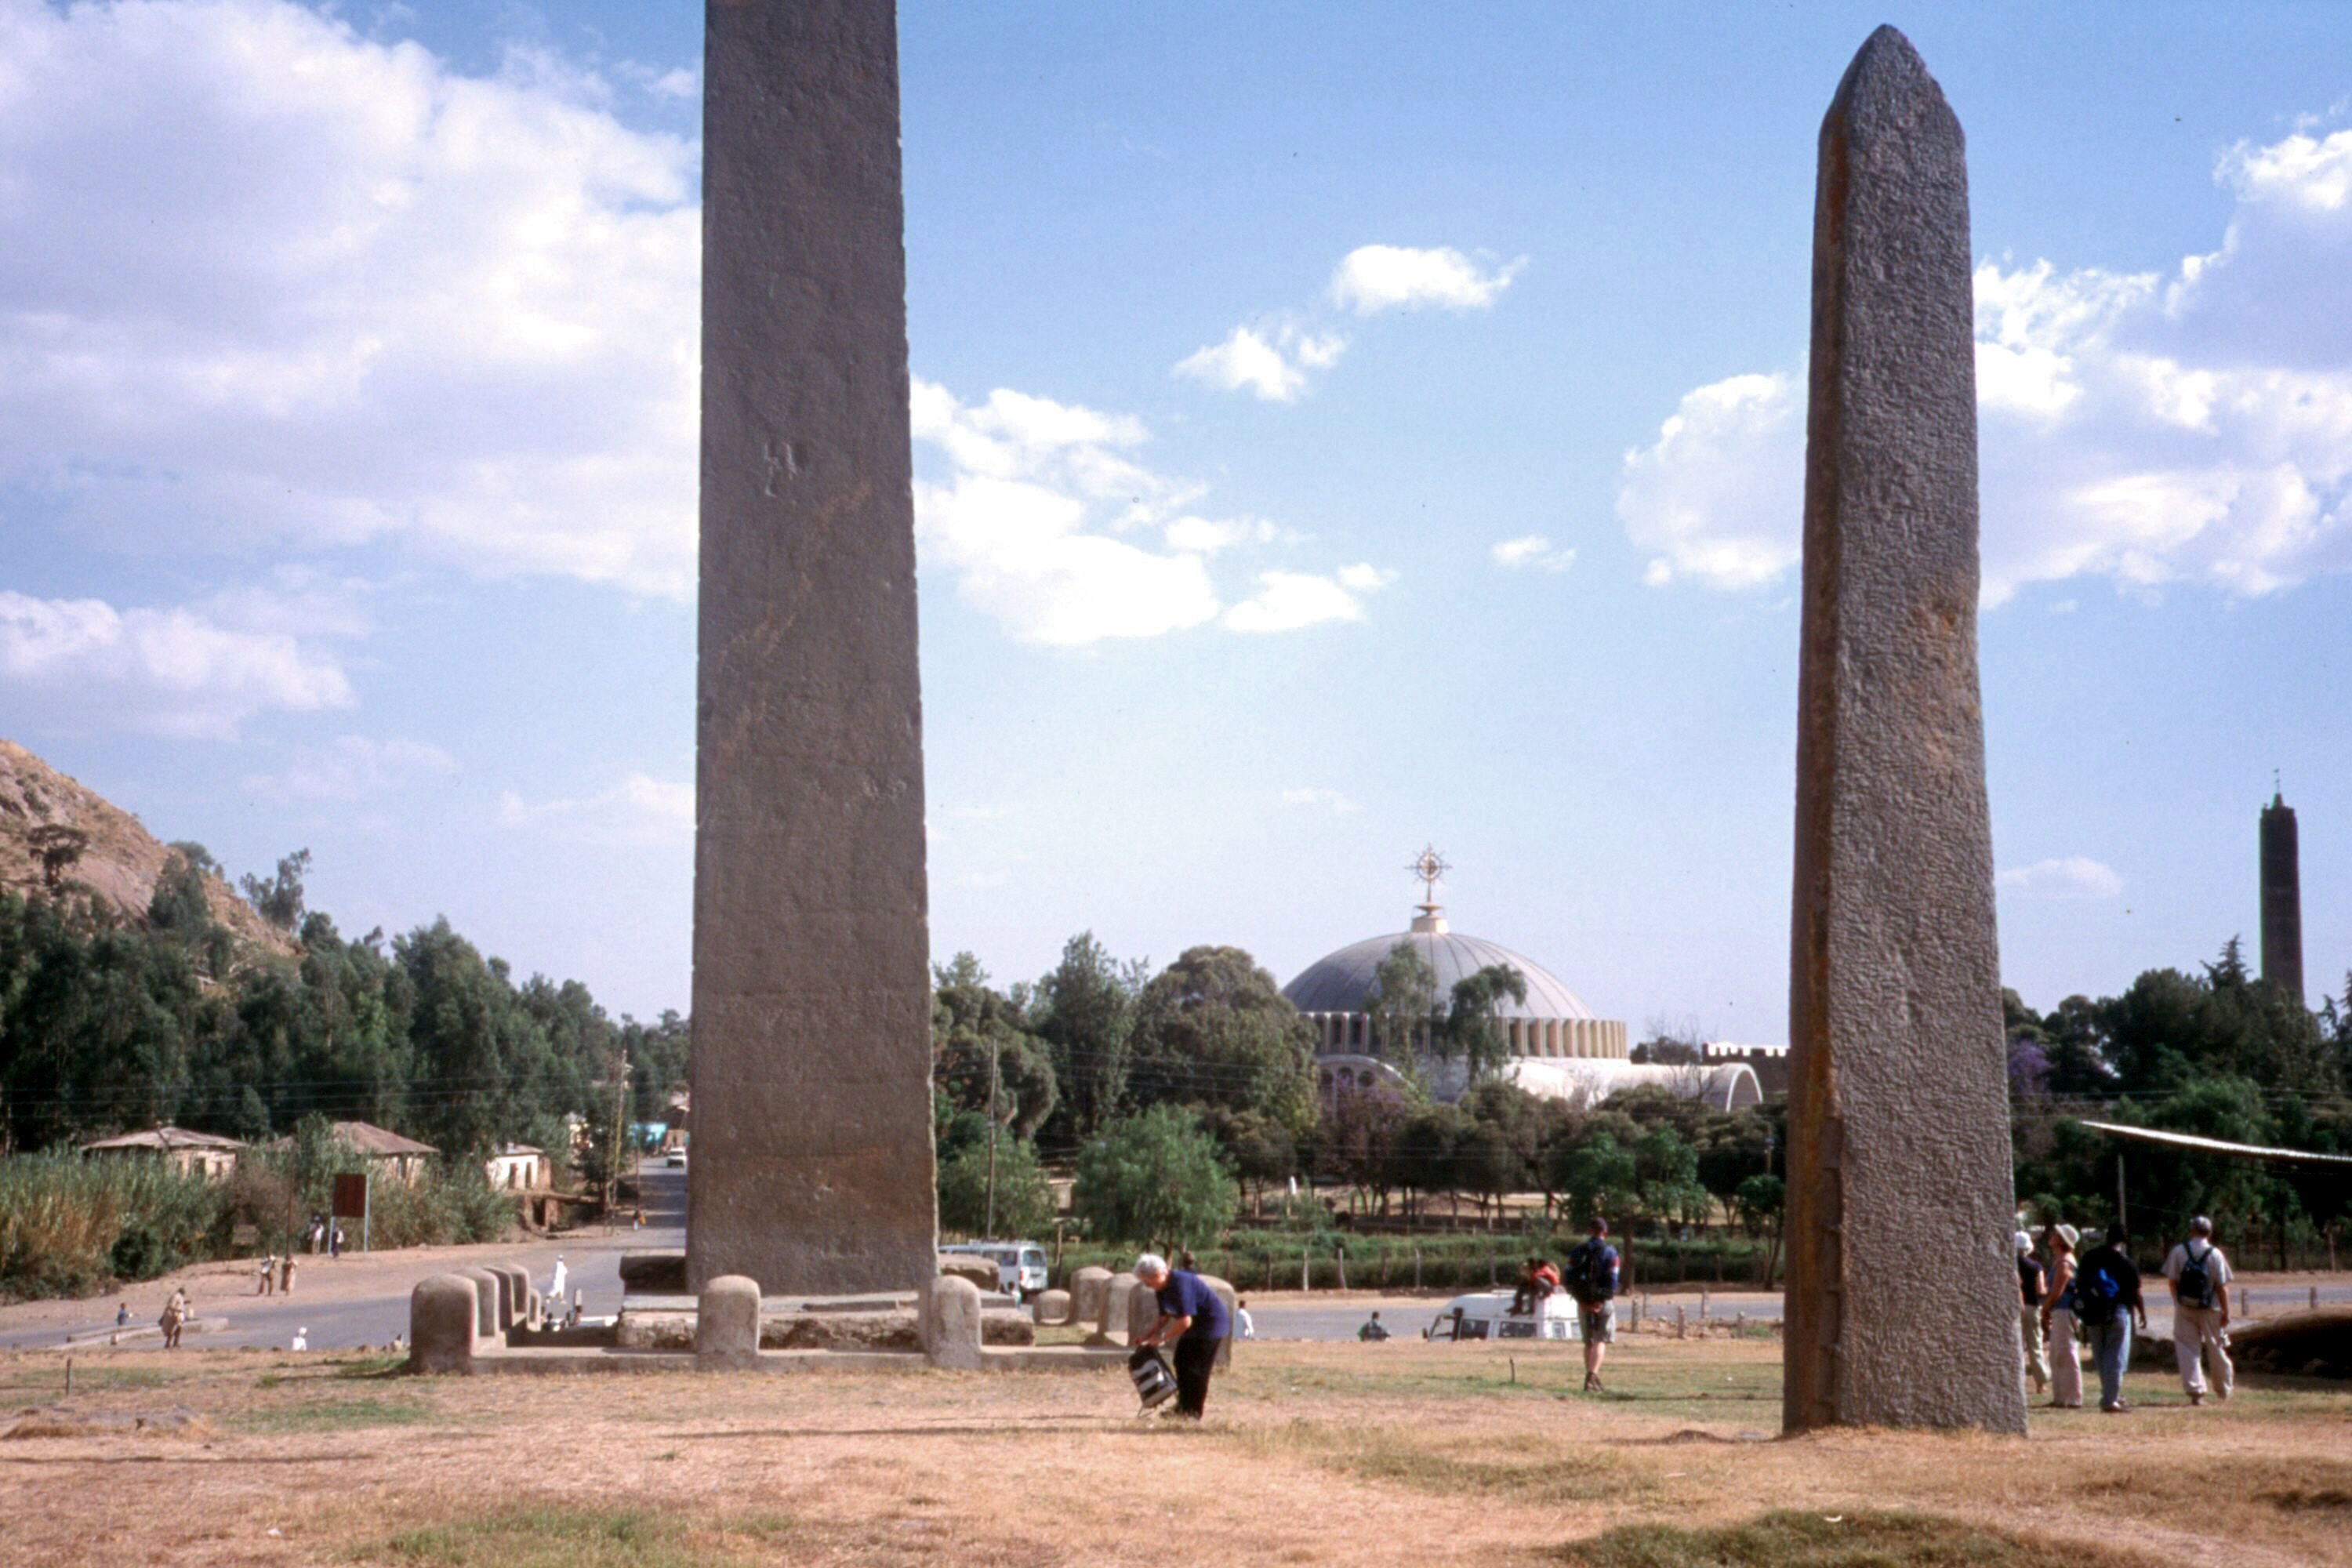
column 2090, row 1293
column 276, row 1275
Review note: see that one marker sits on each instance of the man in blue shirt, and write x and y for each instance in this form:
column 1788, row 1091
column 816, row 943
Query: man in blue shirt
column 1193, row 1319
column 1592, row 1280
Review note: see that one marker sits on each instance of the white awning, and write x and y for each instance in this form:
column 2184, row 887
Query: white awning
column 2220, row 1146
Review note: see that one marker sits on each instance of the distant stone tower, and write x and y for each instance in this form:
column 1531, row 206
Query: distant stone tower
column 2281, row 900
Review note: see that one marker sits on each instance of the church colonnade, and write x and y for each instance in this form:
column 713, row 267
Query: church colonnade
column 1341, row 1033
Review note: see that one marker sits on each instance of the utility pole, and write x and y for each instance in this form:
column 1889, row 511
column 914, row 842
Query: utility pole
column 989, row 1230
column 619, row 1136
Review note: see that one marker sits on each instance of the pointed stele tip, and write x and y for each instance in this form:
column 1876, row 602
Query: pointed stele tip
column 1886, row 83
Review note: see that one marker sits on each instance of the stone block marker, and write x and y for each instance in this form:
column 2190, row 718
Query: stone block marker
column 1142, row 1309
column 813, row 1157
column 1110, row 1313
column 1087, row 1287
column 985, row 1276
column 442, row 1316
column 1051, row 1307
column 486, row 1302
column 948, row 1321
column 1232, row 1298
column 727, row 1324
column 1899, row 1113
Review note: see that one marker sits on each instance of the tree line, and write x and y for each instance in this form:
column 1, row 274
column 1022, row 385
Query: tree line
column 109, row 1025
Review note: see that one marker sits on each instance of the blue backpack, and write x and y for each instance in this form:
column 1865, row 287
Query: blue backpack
column 2096, row 1295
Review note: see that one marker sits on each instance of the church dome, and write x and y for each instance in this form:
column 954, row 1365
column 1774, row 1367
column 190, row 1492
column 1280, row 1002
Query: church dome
column 1339, row 982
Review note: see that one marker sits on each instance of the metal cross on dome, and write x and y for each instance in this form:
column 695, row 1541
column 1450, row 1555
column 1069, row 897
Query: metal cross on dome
column 1429, row 867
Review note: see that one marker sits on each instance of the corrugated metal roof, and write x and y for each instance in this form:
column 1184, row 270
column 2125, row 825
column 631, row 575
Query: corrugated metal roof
column 2220, row 1146
column 167, row 1138
column 1338, row 982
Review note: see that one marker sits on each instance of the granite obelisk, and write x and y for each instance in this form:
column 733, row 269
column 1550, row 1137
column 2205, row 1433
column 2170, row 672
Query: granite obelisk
column 2281, row 885
column 812, row 1155
column 1901, row 1297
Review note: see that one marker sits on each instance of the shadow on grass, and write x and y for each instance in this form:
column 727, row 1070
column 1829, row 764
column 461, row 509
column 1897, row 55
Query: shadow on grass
column 338, row 1416
column 1792, row 1540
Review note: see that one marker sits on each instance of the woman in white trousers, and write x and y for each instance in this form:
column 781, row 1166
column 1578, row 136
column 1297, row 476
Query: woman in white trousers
column 2058, row 1322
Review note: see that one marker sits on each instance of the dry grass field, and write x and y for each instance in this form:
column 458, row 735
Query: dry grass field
column 1401, row 1453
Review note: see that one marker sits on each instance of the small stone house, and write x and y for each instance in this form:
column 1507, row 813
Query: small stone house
column 190, row 1154
column 518, row 1167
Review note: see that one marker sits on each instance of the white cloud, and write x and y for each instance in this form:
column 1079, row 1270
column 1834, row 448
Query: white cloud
column 1374, row 278
column 1716, row 497
column 295, row 284
column 638, row 809
column 2145, row 428
column 1532, row 550
column 2069, row 877
column 1030, row 517
column 1329, row 800
column 1273, row 365
column 174, row 671
column 1290, row 600
column 352, row 767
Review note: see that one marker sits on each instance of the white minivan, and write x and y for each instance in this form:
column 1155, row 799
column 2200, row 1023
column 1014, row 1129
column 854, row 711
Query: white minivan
column 1020, row 1265
column 1487, row 1315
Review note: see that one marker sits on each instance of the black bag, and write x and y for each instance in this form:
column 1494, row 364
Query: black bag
column 1154, row 1384
column 2096, row 1295
column 2196, row 1281
column 1587, row 1273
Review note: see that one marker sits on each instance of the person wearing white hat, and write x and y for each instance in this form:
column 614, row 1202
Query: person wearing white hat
column 2028, row 1315
column 2058, row 1321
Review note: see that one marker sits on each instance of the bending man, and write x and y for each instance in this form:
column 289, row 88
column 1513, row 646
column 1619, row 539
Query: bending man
column 1193, row 1319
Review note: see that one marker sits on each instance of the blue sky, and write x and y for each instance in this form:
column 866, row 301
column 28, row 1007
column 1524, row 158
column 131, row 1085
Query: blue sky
column 1337, row 428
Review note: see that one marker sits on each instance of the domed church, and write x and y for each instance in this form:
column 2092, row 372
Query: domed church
column 1557, row 1049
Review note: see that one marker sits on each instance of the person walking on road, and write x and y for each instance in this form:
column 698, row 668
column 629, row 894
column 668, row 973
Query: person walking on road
column 2058, row 1322
column 286, row 1276
column 2199, row 1278
column 555, row 1286
column 2107, row 1302
column 2029, row 1314
column 1193, row 1317
column 1592, row 1280
column 268, row 1275
column 1244, row 1326
column 175, row 1313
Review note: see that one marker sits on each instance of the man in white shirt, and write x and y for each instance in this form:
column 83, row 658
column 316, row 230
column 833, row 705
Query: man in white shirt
column 2200, row 1311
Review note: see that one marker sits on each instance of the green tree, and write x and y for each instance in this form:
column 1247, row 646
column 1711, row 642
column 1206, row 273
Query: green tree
column 1594, row 1176
column 1401, row 1004
column 1088, row 1018
column 1155, row 1179
column 279, row 899
column 976, row 1029
column 1213, row 1029
column 1472, row 1029
column 1024, row 1195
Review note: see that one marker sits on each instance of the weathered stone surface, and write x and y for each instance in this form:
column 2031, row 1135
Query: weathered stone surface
column 727, row 1324
column 888, row 1330
column 2282, row 887
column 1143, row 1311
column 986, row 1277
column 442, row 1322
column 1051, row 1308
column 514, row 1299
column 1898, row 1143
column 485, row 1300
column 813, row 1156
column 950, row 1324
column 1226, row 1294
column 1087, row 1287
column 1110, row 1313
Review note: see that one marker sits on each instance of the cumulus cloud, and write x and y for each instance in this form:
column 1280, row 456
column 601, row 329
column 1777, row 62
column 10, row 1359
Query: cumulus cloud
column 1033, row 516
column 1532, row 550
column 352, row 767
column 1272, row 363
column 1375, row 277
column 294, row 284
column 1329, row 800
column 174, row 671
column 639, row 809
column 2068, row 877
column 2150, row 428
column 1290, row 601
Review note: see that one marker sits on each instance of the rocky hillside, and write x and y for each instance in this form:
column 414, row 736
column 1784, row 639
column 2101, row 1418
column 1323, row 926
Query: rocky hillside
column 113, row 858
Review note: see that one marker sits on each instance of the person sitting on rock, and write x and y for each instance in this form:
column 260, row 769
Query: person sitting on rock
column 1372, row 1330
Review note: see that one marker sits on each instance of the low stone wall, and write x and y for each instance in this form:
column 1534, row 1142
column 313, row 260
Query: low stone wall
column 887, row 1331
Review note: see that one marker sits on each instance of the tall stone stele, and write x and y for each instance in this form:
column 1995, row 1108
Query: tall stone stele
column 812, row 1164
column 1901, row 1295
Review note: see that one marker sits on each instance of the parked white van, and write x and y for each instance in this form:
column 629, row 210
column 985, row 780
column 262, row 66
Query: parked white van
column 1487, row 1315
column 1020, row 1265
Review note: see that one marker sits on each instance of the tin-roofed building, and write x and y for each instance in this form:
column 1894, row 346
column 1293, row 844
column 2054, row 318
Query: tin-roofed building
column 202, row 1154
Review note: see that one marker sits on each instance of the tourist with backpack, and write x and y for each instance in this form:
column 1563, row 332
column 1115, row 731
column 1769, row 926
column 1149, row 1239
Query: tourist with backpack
column 2058, row 1322
column 2107, row 1303
column 2199, row 1275
column 1592, row 1280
